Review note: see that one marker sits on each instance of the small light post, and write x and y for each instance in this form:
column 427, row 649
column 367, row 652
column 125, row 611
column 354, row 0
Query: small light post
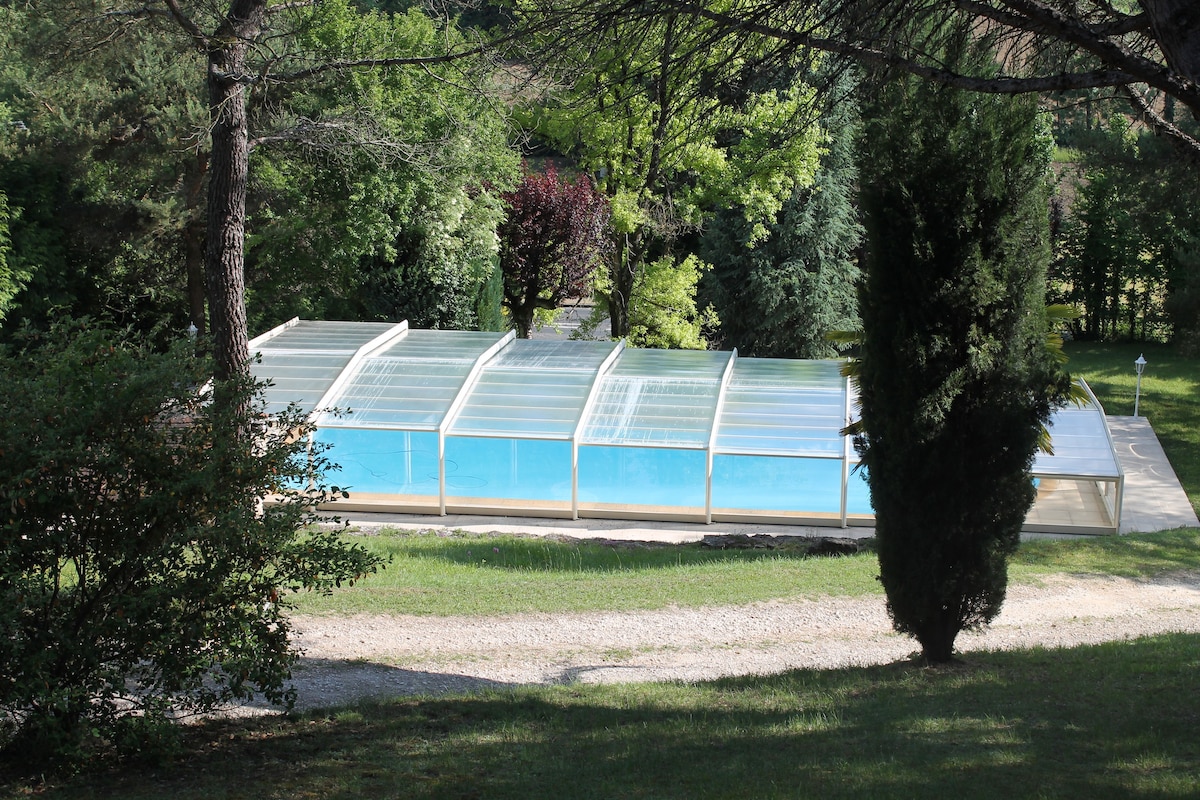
column 1140, row 366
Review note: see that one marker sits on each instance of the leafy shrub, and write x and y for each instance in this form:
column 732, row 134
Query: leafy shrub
column 141, row 575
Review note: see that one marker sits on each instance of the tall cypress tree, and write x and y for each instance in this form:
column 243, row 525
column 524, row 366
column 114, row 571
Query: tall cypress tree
column 955, row 379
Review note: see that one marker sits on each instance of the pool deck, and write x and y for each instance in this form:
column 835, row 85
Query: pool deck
column 1153, row 501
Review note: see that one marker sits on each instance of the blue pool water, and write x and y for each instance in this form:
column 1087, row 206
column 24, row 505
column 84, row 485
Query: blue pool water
column 405, row 463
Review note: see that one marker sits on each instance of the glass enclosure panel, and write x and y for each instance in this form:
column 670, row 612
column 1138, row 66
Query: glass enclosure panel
column 441, row 345
column 773, row 483
column 383, row 461
column 391, row 393
column 1081, row 444
column 535, row 402
column 784, row 407
column 508, row 469
column 301, row 378
column 533, row 387
column 525, row 354
column 652, row 410
column 303, row 361
column 704, row 365
column 858, row 493
column 1064, row 503
column 319, row 335
column 657, row 397
column 775, row 372
column 642, row 476
column 412, row 382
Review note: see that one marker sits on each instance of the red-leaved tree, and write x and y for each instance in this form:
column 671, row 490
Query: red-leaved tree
column 556, row 233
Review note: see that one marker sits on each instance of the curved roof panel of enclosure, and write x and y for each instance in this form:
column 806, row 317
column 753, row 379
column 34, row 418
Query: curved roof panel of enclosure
column 627, row 418
column 1082, row 444
column 303, row 359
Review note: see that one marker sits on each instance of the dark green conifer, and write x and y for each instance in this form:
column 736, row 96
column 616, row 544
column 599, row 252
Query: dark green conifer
column 955, row 378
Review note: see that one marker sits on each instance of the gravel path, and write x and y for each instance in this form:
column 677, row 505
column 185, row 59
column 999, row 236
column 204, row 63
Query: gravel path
column 347, row 658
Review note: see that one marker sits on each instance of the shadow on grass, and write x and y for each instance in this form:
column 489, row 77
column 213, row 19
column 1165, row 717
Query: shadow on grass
column 1115, row 720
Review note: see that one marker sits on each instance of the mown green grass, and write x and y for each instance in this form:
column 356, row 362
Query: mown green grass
column 1170, row 397
column 468, row 574
column 1115, row 720
column 472, row 574
column 1141, row 555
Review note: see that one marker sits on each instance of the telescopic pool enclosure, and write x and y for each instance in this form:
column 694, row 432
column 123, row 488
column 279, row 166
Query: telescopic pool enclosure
column 435, row 421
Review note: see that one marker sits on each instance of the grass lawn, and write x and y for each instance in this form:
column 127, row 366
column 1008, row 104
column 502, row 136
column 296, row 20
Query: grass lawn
column 468, row 574
column 1116, row 720
column 1170, row 397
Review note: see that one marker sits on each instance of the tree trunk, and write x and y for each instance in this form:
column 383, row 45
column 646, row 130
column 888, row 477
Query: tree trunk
column 1176, row 26
column 937, row 640
column 193, row 245
column 623, row 273
column 224, row 256
column 523, row 321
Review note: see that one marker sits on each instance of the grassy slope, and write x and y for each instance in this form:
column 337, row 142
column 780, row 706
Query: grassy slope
column 466, row 574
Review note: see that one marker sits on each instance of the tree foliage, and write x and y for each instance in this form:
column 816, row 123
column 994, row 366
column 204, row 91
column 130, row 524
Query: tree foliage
column 782, row 296
column 362, row 196
column 1145, row 50
column 140, row 575
column 99, row 164
column 955, row 379
column 10, row 280
column 555, row 235
column 673, row 131
column 369, row 195
column 1129, row 229
column 318, row 78
column 665, row 313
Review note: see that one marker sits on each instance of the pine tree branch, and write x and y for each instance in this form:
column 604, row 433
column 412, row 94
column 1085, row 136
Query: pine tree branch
column 1159, row 125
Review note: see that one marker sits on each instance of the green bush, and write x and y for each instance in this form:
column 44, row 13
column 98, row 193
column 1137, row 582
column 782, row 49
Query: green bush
column 141, row 575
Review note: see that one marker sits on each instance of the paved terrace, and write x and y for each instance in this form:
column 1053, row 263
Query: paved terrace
column 1154, row 501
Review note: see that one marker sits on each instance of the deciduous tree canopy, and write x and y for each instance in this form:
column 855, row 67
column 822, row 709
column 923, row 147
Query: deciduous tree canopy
column 140, row 573
column 1145, row 50
column 555, row 235
column 674, row 124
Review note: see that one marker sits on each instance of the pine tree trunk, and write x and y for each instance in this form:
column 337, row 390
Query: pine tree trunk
column 1176, row 25
column 224, row 257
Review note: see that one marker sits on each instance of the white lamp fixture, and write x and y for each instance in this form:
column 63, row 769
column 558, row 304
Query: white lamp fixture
column 1140, row 366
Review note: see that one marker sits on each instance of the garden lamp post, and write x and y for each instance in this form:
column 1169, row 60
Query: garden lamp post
column 1140, row 366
